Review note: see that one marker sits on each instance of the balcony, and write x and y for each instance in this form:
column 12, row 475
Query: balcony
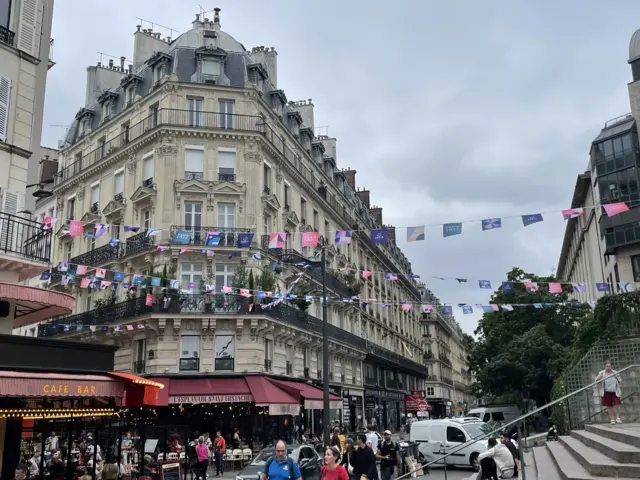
column 198, row 235
column 431, row 378
column 25, row 247
column 119, row 197
column 7, row 36
column 444, row 359
column 194, row 175
column 162, row 118
column 191, row 364
column 227, row 177
column 207, row 305
column 266, row 190
column 148, row 183
column 98, row 256
column 138, row 243
column 138, row 367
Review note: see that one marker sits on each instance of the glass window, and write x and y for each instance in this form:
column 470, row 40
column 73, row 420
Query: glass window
column 226, row 216
column 224, row 276
column 211, row 67
column 146, row 219
column 190, row 273
column 617, row 145
column 267, row 178
column 227, row 109
column 226, row 165
column 147, row 169
column 119, row 183
column 194, row 105
column 225, row 352
column 627, row 144
column 95, row 195
column 635, row 264
column 189, row 352
column 194, row 163
column 607, row 147
column 192, row 216
column 454, row 434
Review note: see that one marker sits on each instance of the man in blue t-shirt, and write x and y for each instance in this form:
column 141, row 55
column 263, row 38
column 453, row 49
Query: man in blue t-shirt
column 280, row 466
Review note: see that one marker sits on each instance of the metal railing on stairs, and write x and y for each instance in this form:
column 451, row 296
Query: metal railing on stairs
column 517, row 422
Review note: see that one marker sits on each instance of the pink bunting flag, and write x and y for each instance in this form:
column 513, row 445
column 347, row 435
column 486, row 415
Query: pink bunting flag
column 81, row 270
column 163, row 248
column 84, row 283
column 75, row 228
column 366, row 273
column 615, row 208
column 494, row 307
column 406, row 307
column 100, row 272
column 148, row 301
column 227, row 289
column 310, row 239
column 572, row 213
column 244, row 292
column 130, row 327
column 428, row 309
column 555, row 287
column 277, row 240
column 184, row 250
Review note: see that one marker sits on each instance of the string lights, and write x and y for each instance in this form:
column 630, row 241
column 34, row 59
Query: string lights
column 41, row 413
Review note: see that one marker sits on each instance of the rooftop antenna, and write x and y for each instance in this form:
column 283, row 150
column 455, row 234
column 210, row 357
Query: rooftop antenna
column 154, row 24
column 102, row 54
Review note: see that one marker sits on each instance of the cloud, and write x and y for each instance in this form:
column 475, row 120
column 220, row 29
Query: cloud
column 448, row 113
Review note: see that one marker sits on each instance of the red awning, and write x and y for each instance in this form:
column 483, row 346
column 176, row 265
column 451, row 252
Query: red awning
column 35, row 304
column 209, row 390
column 313, row 396
column 139, row 392
column 266, row 394
column 45, row 385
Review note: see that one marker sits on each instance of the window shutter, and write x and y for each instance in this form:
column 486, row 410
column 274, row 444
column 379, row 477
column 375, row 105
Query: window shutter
column 5, row 95
column 95, row 194
column 28, row 27
column 8, row 227
column 227, row 162
column 194, row 160
column 147, row 168
column 119, row 183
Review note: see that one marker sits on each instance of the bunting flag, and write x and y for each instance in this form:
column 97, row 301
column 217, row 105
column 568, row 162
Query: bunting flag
column 343, row 237
column 277, row 240
column 450, row 229
column 379, row 235
column 491, row 223
column 310, row 239
column 415, row 234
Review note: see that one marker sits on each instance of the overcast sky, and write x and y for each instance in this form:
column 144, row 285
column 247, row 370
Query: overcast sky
column 449, row 111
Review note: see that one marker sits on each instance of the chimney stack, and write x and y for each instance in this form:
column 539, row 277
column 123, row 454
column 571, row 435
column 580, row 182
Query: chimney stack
column 216, row 16
column 130, row 68
column 377, row 213
column 351, row 177
column 111, row 64
column 392, row 234
column 363, row 195
column 122, row 59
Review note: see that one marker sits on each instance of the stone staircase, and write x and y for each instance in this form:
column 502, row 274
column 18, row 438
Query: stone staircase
column 599, row 452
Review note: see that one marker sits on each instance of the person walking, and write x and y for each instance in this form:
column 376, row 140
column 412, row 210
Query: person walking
column 347, row 458
column 202, row 452
column 389, row 455
column 364, row 461
column 332, row 470
column 610, row 392
column 219, row 449
column 281, row 466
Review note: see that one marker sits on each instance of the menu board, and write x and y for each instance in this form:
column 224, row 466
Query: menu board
column 171, row 471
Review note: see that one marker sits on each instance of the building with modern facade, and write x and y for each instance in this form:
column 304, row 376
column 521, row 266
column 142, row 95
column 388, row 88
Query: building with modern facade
column 448, row 384
column 598, row 248
column 197, row 136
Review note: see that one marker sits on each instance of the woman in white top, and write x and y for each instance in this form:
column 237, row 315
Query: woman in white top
column 610, row 392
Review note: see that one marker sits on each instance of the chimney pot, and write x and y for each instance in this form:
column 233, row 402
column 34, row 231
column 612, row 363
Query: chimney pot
column 197, row 17
column 111, row 64
column 131, row 68
column 99, row 64
column 122, row 59
column 138, row 27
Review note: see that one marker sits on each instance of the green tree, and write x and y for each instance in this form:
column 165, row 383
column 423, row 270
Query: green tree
column 240, row 278
column 266, row 280
column 252, row 283
column 525, row 349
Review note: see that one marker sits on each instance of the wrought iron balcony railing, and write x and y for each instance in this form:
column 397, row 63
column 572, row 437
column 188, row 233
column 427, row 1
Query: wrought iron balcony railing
column 98, row 256
column 138, row 243
column 193, row 175
column 188, row 235
column 227, row 177
column 191, row 364
column 138, row 367
column 24, row 238
column 163, row 117
column 7, row 36
column 209, row 304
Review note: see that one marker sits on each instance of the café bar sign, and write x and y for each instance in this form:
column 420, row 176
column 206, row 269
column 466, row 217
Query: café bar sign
column 43, row 388
column 196, row 399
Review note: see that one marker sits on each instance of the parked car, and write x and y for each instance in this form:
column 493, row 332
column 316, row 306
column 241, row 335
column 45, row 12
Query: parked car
column 495, row 413
column 436, row 438
column 305, row 456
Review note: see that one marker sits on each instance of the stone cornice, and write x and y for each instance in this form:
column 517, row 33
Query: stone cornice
column 21, row 152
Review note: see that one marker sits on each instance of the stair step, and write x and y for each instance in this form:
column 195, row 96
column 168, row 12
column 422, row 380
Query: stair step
column 618, row 451
column 628, row 433
column 596, row 462
column 565, row 464
column 544, row 463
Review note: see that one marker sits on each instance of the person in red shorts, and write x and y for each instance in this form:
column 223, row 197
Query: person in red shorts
column 610, row 392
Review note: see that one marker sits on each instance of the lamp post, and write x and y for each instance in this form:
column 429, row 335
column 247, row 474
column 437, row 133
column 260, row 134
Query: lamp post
column 325, row 355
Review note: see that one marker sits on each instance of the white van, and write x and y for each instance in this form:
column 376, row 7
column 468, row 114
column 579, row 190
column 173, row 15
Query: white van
column 495, row 413
column 436, row 438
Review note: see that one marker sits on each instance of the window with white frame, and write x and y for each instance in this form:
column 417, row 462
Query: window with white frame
column 146, row 219
column 118, row 186
column 224, row 275
column 191, row 273
column 266, row 174
column 268, row 354
column 71, row 208
column 91, row 243
column 193, row 216
column 115, row 231
column 147, row 171
column 226, row 216
column 159, row 72
column 226, row 109
column 190, row 353
column 266, row 227
column 194, row 163
column 430, row 391
column 195, row 107
column 130, row 94
column 95, row 198
column 226, row 165
column 106, row 110
column 67, row 253
column 210, row 69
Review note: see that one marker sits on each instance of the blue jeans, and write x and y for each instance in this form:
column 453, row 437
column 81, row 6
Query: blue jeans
column 219, row 463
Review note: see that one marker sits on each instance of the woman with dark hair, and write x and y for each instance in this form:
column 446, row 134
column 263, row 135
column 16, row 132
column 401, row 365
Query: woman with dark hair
column 347, row 458
column 332, row 470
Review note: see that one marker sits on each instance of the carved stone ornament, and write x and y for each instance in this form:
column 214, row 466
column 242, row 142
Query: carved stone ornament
column 176, row 329
column 59, row 203
column 131, row 166
column 166, row 150
column 80, row 191
column 252, row 157
column 254, row 330
column 279, row 176
column 239, row 327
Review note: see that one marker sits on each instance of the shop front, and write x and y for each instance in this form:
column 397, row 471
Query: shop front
column 375, row 408
column 353, row 409
column 416, row 405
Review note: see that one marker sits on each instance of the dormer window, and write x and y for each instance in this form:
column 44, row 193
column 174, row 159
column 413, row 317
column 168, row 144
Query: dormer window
column 129, row 84
column 130, row 94
column 210, row 70
column 278, row 101
column 106, row 110
column 159, row 63
column 108, row 101
column 83, row 118
column 159, row 72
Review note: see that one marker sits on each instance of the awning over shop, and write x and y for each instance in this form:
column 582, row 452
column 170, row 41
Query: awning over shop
column 266, row 394
column 45, row 385
column 209, row 390
column 139, row 392
column 35, row 304
column 313, row 396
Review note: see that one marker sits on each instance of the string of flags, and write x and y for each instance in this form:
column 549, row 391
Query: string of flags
column 341, row 237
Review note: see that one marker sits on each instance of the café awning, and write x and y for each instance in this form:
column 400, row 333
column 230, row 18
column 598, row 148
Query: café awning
column 138, row 391
column 47, row 385
column 313, row 396
column 266, row 394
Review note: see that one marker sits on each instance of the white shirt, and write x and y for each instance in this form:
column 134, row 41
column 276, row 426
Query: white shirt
column 610, row 382
column 373, row 439
column 501, row 455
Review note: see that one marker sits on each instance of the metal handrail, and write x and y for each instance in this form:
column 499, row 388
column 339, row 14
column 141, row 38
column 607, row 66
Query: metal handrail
column 577, row 425
column 513, row 422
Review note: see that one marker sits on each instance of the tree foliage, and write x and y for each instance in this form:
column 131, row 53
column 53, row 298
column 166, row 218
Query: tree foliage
column 524, row 350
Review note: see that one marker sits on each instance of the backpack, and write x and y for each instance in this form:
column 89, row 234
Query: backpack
column 289, row 461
